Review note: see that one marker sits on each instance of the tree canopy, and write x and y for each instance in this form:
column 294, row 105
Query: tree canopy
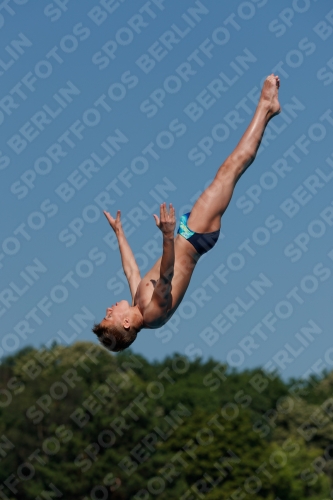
column 79, row 422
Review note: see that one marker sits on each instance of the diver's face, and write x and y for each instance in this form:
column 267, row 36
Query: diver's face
column 116, row 311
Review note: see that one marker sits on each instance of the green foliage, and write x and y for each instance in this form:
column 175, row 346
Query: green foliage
column 79, row 422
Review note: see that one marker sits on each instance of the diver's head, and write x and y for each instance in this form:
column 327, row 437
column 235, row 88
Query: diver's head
column 120, row 326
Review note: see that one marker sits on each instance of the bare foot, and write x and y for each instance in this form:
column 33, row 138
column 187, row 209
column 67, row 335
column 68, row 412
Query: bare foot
column 269, row 95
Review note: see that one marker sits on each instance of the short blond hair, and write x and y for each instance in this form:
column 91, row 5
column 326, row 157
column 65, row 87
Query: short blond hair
column 115, row 337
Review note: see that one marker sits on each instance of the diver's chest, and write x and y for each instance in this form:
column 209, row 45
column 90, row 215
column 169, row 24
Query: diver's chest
column 145, row 292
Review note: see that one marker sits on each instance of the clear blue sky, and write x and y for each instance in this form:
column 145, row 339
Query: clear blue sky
column 110, row 102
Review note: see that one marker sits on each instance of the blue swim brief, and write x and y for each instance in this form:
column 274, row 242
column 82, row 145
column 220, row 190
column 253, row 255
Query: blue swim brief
column 202, row 242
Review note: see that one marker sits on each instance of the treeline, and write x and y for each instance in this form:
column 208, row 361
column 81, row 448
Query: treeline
column 80, row 423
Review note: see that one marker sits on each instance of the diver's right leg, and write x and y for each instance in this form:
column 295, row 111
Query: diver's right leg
column 207, row 212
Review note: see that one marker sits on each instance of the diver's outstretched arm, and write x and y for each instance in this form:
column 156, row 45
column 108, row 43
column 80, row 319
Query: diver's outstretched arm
column 128, row 261
column 161, row 297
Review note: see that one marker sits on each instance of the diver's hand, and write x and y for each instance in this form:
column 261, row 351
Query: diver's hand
column 114, row 223
column 167, row 220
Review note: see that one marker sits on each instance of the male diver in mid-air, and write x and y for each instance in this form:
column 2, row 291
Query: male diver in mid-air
column 157, row 295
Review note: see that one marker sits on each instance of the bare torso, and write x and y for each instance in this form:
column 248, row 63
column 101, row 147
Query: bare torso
column 185, row 260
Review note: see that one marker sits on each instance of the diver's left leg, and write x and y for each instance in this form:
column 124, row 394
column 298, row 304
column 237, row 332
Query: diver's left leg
column 207, row 212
